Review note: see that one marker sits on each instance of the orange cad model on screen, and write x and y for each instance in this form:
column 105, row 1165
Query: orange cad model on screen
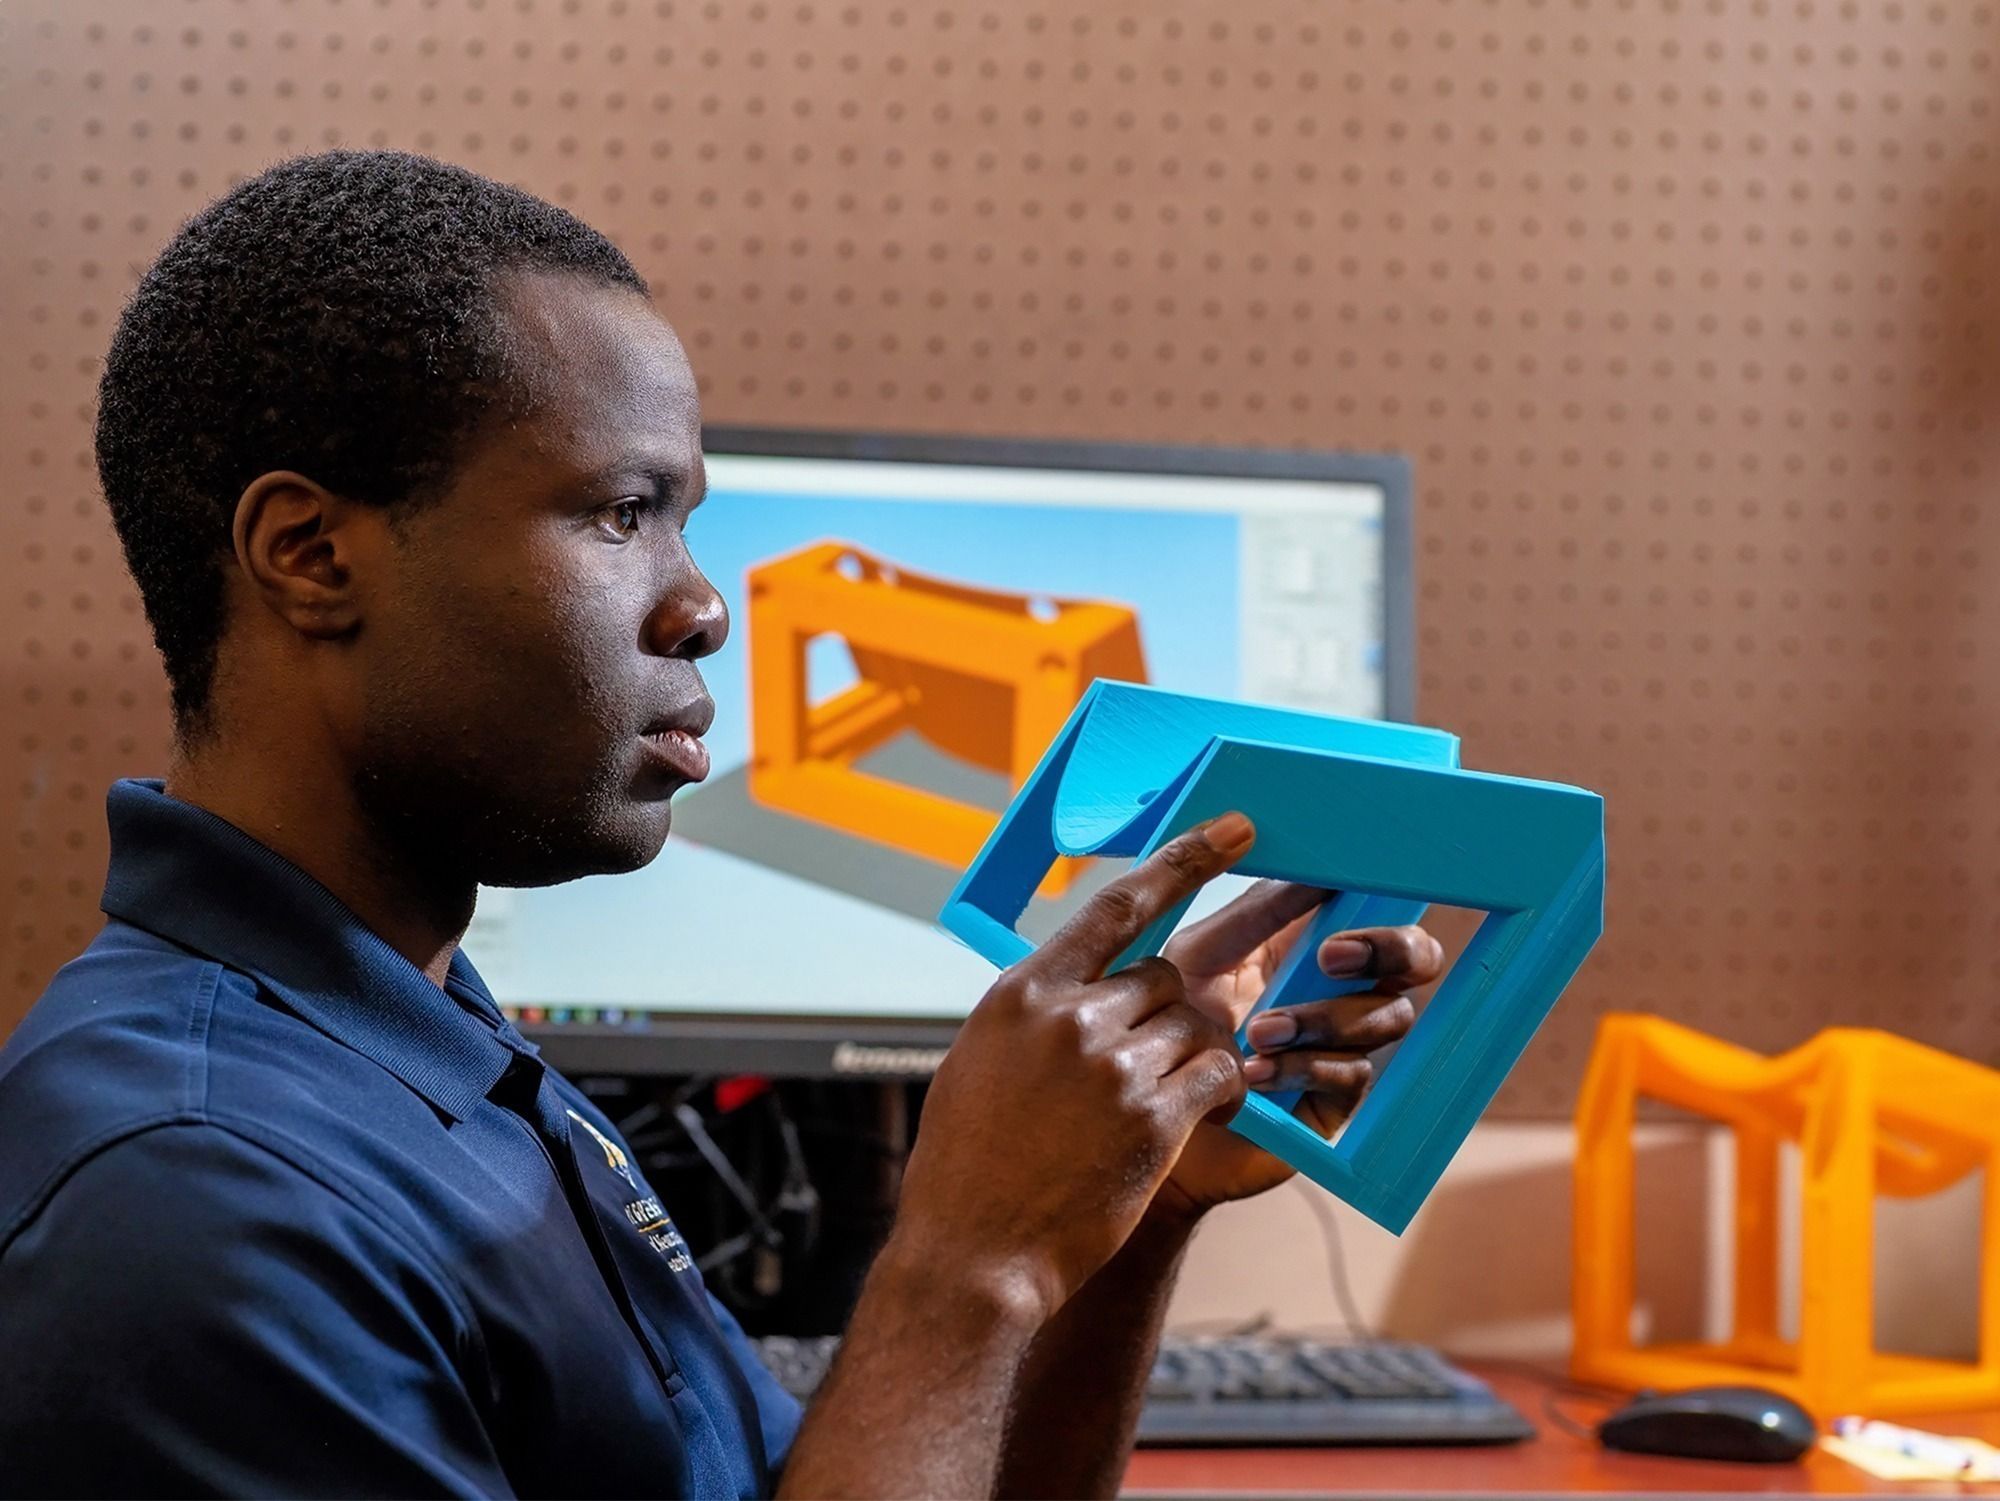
column 982, row 675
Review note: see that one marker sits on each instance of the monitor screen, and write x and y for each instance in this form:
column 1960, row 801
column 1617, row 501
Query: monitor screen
column 912, row 620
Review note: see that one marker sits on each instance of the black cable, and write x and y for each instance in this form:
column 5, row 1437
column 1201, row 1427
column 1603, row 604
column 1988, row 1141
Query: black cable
column 824, row 1129
column 1552, row 1410
column 1336, row 1263
column 1224, row 1328
column 727, row 1251
column 785, row 1227
column 635, row 1124
column 719, row 1163
column 1554, row 1386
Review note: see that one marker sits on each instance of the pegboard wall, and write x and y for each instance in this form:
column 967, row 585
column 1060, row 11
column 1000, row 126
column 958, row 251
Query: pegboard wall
column 1683, row 308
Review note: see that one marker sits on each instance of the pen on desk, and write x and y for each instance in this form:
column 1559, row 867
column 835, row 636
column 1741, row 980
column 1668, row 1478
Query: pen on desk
column 1930, row 1448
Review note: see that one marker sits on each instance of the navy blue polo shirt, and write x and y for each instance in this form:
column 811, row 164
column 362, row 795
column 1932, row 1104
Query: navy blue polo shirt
column 280, row 1216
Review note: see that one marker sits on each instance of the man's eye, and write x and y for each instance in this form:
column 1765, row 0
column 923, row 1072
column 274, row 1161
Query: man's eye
column 620, row 521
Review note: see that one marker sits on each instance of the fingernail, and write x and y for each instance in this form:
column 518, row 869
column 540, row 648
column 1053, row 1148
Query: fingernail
column 1272, row 1030
column 1260, row 1071
column 1230, row 834
column 1344, row 958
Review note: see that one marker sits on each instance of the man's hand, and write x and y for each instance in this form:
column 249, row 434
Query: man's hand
column 1048, row 1136
column 1069, row 1094
column 1226, row 961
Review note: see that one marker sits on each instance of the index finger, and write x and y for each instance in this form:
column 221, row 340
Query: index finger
column 1224, row 939
column 1106, row 925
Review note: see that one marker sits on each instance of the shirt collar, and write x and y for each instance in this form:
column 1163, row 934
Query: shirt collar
column 197, row 880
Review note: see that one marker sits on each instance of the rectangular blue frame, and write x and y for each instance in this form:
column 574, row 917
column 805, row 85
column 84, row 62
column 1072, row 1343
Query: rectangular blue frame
column 1379, row 813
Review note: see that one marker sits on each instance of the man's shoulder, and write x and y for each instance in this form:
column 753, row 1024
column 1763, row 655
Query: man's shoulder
column 217, row 1299
column 111, row 1048
column 138, row 1034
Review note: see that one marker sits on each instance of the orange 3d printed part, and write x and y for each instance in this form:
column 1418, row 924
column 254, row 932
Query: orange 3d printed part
column 1872, row 1114
column 984, row 676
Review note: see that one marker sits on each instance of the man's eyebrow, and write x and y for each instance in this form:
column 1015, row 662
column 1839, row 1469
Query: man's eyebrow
column 673, row 475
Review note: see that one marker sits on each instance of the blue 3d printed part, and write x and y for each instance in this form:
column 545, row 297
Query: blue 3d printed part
column 1379, row 814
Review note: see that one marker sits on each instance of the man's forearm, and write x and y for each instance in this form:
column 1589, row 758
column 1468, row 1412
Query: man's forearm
column 1080, row 1389
column 916, row 1403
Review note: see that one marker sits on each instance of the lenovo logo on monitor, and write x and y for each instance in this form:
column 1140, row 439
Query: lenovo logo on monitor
column 860, row 1058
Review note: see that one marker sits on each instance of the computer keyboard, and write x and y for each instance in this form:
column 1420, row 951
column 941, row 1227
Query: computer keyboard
column 1263, row 1389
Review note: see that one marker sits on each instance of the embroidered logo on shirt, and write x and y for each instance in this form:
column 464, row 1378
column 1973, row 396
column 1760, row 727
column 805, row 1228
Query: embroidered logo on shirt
column 646, row 1214
column 651, row 1221
column 614, row 1155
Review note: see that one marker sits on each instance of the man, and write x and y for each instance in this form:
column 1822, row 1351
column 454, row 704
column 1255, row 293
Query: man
column 401, row 460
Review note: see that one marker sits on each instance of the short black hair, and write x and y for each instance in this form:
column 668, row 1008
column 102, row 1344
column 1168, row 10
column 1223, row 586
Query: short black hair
column 333, row 315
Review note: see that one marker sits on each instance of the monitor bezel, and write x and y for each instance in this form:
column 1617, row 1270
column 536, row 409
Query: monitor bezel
column 886, row 1048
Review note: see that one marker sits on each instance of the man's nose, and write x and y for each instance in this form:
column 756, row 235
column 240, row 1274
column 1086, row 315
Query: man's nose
column 690, row 622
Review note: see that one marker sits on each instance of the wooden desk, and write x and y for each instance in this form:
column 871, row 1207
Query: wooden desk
column 1552, row 1463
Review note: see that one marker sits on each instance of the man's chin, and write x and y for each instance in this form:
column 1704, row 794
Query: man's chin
column 628, row 844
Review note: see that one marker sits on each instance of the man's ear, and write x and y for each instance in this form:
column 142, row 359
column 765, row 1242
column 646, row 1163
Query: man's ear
column 298, row 544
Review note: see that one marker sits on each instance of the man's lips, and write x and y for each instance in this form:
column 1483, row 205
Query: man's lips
column 680, row 751
column 674, row 740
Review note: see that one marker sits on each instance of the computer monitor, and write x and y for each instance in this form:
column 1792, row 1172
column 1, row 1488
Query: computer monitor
column 912, row 619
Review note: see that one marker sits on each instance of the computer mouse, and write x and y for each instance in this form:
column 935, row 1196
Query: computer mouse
column 1712, row 1422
